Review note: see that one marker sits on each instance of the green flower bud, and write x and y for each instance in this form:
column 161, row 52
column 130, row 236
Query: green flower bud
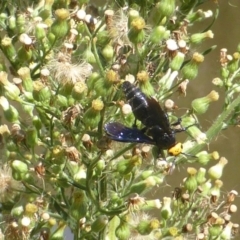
column 177, row 61
column 25, row 75
column 199, row 37
column 80, row 175
column 191, row 182
column 99, row 223
column 126, row 166
column 144, row 83
column 227, row 232
column 235, row 89
column 21, row 23
column 45, row 13
column 163, row 9
column 188, row 121
column 79, row 90
column 123, row 231
column 56, row 168
column 19, row 166
column 58, row 155
column 197, row 134
column 60, row 27
column 103, row 39
column 131, row 16
column 166, row 211
column 11, row 91
column 190, row 70
column 28, row 108
column 159, row 179
column 158, row 34
column 233, row 64
column 103, row 87
column 216, row 189
column 66, row 88
column 37, row 123
column 215, row 172
column 24, row 54
column 204, row 157
column 59, row 232
column 41, row 93
column 8, row 49
column 51, row 39
column 62, row 180
column 61, row 101
column 3, row 18
column 144, row 185
column 12, row 23
column 132, row 64
column 78, row 209
column 48, row 4
column 200, row 176
column 31, row 136
column 89, row 56
column 10, row 113
column 195, row 16
column 217, row 82
column 40, row 31
column 215, row 230
column 145, row 227
column 200, row 105
column 18, row 209
column 2, row 64
column 206, row 186
column 224, row 72
column 108, row 52
column 167, row 80
column 145, row 174
column 16, row 175
column 100, row 166
column 151, row 204
column 92, row 116
column 136, row 33
column 93, row 78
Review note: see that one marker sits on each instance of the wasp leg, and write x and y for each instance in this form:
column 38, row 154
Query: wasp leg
column 135, row 123
column 178, row 122
column 181, row 129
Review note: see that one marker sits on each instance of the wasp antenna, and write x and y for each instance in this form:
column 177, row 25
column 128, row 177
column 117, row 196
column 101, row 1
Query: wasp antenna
column 194, row 124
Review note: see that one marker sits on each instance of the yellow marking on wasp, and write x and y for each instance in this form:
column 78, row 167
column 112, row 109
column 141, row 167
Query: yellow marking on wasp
column 176, row 149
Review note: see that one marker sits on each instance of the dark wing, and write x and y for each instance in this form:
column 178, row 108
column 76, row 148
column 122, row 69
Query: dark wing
column 118, row 132
column 156, row 115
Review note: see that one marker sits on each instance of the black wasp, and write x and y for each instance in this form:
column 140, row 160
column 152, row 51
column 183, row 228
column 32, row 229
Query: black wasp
column 157, row 130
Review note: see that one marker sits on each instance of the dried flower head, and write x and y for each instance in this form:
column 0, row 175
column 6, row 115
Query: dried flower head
column 8, row 186
column 65, row 71
column 71, row 113
column 118, row 28
column 73, row 154
column 135, row 202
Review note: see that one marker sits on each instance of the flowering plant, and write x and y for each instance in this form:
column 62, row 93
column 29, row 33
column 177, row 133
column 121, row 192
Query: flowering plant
column 62, row 64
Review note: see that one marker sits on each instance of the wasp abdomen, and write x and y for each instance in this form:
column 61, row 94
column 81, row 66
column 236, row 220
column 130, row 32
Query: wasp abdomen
column 137, row 100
